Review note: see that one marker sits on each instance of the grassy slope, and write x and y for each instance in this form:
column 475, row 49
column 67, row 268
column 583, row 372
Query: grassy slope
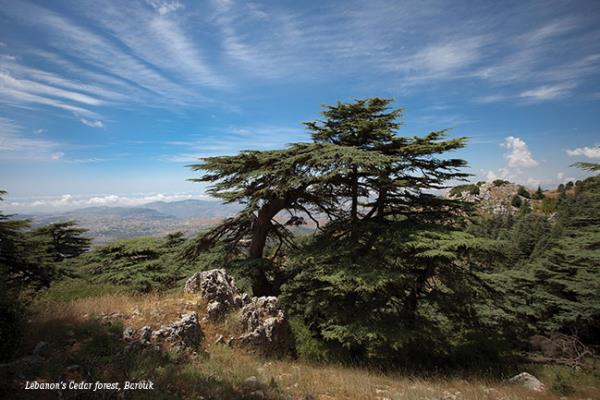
column 78, row 334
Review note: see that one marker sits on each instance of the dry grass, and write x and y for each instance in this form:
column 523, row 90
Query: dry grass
column 280, row 379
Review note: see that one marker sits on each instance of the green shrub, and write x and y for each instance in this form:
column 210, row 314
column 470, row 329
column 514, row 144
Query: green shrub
column 500, row 182
column 471, row 189
column 523, row 192
column 308, row 347
column 562, row 385
column 516, row 201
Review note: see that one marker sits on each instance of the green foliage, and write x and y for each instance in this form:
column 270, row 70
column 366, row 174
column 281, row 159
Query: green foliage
column 523, row 192
column 143, row 264
column 471, row 189
column 24, row 260
column 356, row 169
column 63, row 239
column 422, row 289
column 539, row 194
column 13, row 317
column 561, row 385
column 516, row 201
column 549, row 205
column 500, row 182
column 565, row 279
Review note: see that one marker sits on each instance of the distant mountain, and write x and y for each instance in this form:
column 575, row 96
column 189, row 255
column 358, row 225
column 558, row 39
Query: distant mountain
column 127, row 212
column 194, row 208
column 153, row 219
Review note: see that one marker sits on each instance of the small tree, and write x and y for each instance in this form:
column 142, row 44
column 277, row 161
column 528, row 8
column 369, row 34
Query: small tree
column 523, row 192
column 539, row 194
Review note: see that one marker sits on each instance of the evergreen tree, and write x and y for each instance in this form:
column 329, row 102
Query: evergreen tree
column 64, row 239
column 539, row 194
column 558, row 290
column 356, row 169
column 24, row 264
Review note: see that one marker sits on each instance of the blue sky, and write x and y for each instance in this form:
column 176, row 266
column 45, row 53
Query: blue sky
column 104, row 103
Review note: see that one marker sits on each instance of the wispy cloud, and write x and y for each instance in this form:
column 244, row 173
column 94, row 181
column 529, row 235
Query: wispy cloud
column 92, row 123
column 16, row 146
column 548, row 92
column 231, row 140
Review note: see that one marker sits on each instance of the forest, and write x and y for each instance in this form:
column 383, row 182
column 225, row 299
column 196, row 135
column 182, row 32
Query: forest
column 403, row 271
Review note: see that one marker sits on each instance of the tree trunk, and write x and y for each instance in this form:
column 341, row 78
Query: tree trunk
column 262, row 226
column 260, row 232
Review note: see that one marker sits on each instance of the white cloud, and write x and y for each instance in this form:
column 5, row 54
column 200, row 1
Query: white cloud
column 519, row 154
column 589, row 152
column 70, row 202
column 548, row 92
column 57, row 156
column 39, row 131
column 92, row 123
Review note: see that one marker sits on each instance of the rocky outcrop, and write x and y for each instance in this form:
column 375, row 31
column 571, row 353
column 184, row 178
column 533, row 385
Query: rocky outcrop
column 218, row 289
column 528, row 381
column 182, row 334
column 185, row 333
column 493, row 197
column 266, row 328
column 264, row 324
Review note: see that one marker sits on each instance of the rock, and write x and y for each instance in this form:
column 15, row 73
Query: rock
column 41, row 349
column 135, row 312
column 145, row 335
column 73, row 369
column 251, row 382
column 266, row 328
column 220, row 340
column 128, row 334
column 529, row 381
column 216, row 310
column 218, row 289
column 184, row 334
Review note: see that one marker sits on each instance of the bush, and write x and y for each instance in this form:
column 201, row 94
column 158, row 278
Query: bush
column 142, row 264
column 500, row 182
column 471, row 189
column 516, row 201
column 523, row 192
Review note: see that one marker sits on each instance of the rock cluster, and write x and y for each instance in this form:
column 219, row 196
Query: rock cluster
column 491, row 197
column 265, row 326
column 218, row 289
column 183, row 334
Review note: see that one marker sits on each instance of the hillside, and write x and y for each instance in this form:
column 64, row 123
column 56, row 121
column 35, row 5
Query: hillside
column 93, row 338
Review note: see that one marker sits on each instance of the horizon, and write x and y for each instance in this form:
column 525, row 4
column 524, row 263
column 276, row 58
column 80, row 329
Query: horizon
column 107, row 104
